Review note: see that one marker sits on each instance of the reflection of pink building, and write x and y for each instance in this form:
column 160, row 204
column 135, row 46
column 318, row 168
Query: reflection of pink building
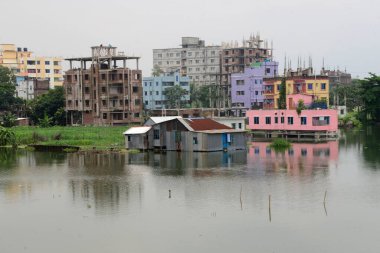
column 301, row 157
column 289, row 120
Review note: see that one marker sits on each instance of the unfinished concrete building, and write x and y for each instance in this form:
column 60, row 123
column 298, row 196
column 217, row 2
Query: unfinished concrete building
column 102, row 90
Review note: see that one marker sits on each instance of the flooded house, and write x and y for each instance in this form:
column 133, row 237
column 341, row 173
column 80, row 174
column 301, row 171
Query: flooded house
column 180, row 134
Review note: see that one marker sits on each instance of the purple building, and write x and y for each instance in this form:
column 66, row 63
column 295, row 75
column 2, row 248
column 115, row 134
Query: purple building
column 247, row 88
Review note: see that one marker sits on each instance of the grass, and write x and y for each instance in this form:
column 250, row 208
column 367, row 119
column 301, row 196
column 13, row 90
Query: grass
column 85, row 137
column 280, row 145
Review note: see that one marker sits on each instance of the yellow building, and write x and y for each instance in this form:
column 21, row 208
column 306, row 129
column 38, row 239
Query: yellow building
column 316, row 86
column 24, row 64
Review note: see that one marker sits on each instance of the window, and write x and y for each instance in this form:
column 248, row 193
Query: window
column 256, row 93
column 233, row 125
column 240, row 93
column 323, row 86
column 267, row 70
column 136, row 115
column 195, row 140
column 47, row 62
column 282, row 120
column 47, row 70
column 240, row 125
column 278, row 87
column 321, row 121
column 267, row 120
column 239, row 82
column 309, row 86
column 304, row 152
column 146, row 84
column 156, row 134
column 290, row 120
column 104, row 115
column 256, row 120
column 157, row 93
column 56, row 63
column 276, row 120
column 303, row 121
column 129, row 138
column 137, row 102
column 146, row 93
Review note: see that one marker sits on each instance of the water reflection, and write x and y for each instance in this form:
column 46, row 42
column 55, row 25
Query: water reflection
column 182, row 163
column 366, row 141
column 301, row 158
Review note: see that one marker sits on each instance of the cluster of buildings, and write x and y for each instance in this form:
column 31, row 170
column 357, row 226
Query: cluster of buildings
column 32, row 72
column 101, row 90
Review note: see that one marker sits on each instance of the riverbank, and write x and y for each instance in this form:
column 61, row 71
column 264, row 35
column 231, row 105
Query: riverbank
column 84, row 137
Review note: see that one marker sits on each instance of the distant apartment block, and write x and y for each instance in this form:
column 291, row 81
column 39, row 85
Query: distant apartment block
column 24, row 64
column 194, row 59
column 31, row 88
column 154, row 89
column 337, row 77
column 235, row 58
column 302, row 82
column 247, row 88
column 101, row 90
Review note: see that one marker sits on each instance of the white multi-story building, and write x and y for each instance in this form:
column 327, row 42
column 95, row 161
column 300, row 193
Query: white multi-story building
column 199, row 62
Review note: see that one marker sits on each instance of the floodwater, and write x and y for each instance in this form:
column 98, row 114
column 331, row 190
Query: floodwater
column 323, row 198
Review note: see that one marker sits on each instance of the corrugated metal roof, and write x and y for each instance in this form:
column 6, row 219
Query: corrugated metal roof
column 221, row 131
column 138, row 130
column 205, row 124
column 158, row 120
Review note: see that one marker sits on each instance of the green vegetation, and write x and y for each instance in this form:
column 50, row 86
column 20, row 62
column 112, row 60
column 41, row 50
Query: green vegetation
column 301, row 106
column 8, row 102
column 349, row 95
column 280, row 145
column 48, row 109
column 157, row 71
column 174, row 95
column 351, row 119
column 370, row 94
column 282, row 98
column 362, row 96
column 7, row 137
column 203, row 96
column 84, row 137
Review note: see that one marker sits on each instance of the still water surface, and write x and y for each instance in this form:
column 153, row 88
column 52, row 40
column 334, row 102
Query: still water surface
column 53, row 202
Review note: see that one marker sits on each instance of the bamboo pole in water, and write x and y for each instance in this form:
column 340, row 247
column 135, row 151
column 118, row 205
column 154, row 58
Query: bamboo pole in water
column 241, row 201
column 270, row 211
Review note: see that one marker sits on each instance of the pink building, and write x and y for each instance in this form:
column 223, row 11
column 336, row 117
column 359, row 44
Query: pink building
column 288, row 120
column 293, row 100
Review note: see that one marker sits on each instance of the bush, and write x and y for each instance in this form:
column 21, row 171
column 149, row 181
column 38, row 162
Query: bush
column 7, row 137
column 280, row 145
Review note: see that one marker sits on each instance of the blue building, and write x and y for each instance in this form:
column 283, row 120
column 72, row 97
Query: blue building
column 154, row 89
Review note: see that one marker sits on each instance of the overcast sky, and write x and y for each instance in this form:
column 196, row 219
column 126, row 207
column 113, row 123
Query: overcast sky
column 345, row 32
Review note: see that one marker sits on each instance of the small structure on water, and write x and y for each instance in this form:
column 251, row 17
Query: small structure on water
column 179, row 134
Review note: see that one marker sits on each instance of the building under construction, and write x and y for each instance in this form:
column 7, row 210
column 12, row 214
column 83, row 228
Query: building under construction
column 102, row 90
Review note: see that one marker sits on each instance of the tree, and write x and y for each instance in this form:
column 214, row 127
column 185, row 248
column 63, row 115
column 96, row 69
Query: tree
column 301, row 106
column 9, row 120
column 7, row 89
column 203, row 96
column 282, row 99
column 51, row 105
column 370, row 95
column 157, row 71
column 174, row 95
column 347, row 94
